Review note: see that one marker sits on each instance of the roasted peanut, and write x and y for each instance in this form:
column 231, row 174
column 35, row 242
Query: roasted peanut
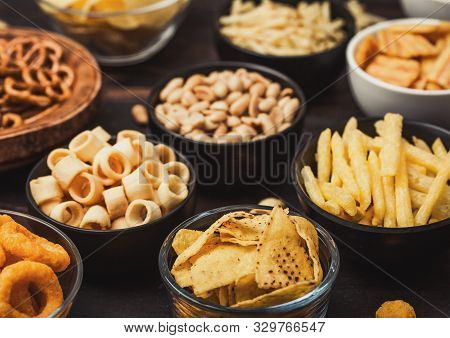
column 267, row 104
column 220, row 89
column 175, row 95
column 290, row 108
column 170, row 86
column 188, row 98
column 219, row 105
column 194, row 81
column 273, row 90
column 240, row 105
column 204, row 93
column 139, row 113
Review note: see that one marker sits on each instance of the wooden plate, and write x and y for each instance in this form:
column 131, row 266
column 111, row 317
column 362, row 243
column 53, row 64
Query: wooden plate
column 21, row 145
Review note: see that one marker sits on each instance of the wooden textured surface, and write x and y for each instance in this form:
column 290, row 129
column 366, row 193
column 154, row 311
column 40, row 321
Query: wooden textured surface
column 60, row 121
column 360, row 287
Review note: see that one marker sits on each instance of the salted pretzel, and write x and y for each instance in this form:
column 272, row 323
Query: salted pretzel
column 33, row 76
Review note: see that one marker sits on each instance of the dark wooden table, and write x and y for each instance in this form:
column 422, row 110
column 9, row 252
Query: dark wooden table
column 360, row 288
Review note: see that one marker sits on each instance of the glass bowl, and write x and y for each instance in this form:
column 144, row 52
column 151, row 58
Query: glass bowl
column 185, row 304
column 71, row 278
column 121, row 37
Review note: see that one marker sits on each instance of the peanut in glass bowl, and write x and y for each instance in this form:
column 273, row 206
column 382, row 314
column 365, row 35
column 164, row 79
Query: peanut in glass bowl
column 186, row 305
column 118, row 38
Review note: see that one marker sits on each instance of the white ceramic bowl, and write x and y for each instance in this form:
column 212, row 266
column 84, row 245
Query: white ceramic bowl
column 376, row 97
column 437, row 9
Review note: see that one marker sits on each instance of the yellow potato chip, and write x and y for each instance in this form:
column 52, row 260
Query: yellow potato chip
column 184, row 239
column 221, row 266
column 440, row 72
column 282, row 260
column 404, row 45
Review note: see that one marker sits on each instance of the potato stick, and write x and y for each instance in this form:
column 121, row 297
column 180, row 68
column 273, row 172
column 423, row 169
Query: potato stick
column 352, row 124
column 419, row 156
column 422, row 182
column 402, row 199
column 434, row 193
column 358, row 162
column 332, row 207
column 367, row 219
column 413, row 154
column 312, row 187
column 439, row 149
column 379, row 207
column 335, row 179
column 324, row 155
column 392, row 137
column 341, row 196
column 379, row 125
column 389, row 198
column 419, row 143
column 341, row 166
column 417, row 168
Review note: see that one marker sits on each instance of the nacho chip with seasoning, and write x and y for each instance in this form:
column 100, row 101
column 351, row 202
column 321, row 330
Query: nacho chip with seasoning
column 221, row 266
column 249, row 260
column 184, row 239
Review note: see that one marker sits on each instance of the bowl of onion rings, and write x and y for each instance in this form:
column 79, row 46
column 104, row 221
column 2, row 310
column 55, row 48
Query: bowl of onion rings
column 41, row 269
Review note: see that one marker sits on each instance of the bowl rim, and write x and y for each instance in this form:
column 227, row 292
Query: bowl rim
column 107, row 14
column 353, row 225
column 192, row 185
column 325, row 286
column 69, row 299
column 223, row 65
column 348, row 21
column 353, row 67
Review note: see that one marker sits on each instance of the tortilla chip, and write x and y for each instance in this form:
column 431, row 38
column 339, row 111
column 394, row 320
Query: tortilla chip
column 197, row 245
column 279, row 296
column 246, row 229
column 308, row 228
column 184, row 239
column 226, row 238
column 222, row 266
column 281, row 259
column 246, row 288
column 223, row 295
column 182, row 275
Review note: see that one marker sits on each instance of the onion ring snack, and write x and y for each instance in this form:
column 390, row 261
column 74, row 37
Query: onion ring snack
column 93, row 184
column 29, row 272
column 29, row 286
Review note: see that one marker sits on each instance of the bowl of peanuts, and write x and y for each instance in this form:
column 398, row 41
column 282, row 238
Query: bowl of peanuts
column 233, row 120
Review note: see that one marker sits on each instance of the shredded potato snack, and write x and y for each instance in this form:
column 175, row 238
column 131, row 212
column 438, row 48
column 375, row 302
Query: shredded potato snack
column 276, row 29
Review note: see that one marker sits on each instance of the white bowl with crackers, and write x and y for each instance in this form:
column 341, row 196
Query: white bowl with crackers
column 402, row 66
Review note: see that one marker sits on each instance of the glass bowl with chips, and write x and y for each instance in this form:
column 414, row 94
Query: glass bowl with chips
column 233, row 257
column 71, row 278
column 310, row 48
column 391, row 236
column 118, row 32
column 411, row 73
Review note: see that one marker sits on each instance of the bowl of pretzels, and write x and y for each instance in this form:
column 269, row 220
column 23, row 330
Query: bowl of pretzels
column 49, row 87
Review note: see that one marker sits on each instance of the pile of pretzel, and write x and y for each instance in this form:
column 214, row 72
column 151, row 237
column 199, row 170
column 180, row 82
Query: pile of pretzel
column 33, row 78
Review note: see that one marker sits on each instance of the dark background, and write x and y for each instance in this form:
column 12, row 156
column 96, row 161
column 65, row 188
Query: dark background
column 360, row 287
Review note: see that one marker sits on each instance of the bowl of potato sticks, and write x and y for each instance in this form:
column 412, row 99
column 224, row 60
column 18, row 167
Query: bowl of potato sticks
column 232, row 119
column 249, row 261
column 40, row 268
column 116, row 197
column 380, row 185
column 402, row 66
column 119, row 32
column 305, row 39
